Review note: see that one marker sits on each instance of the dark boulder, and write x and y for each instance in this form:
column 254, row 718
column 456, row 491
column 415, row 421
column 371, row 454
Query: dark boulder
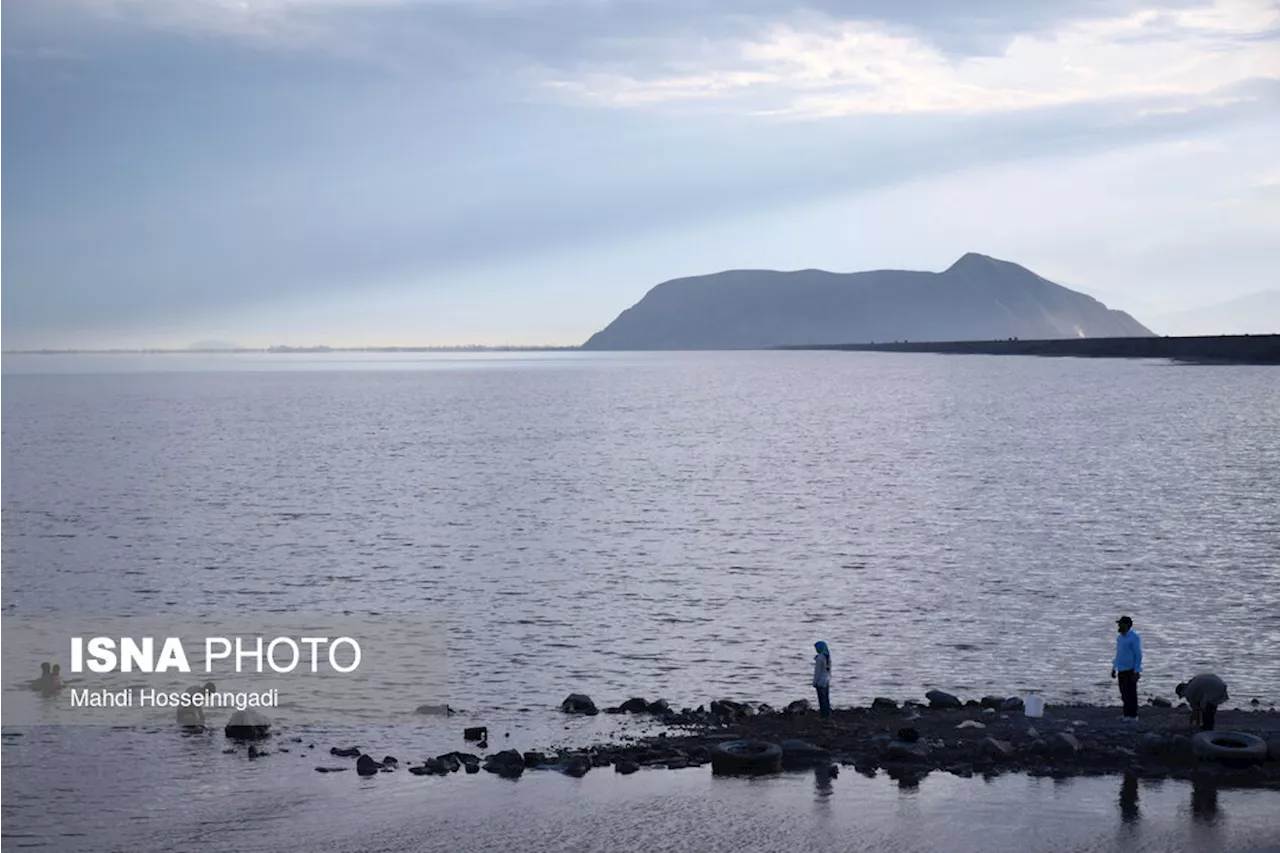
column 992, row 701
column 448, row 762
column 799, row 706
column 659, row 706
column 248, row 724
column 625, row 766
column 1161, row 702
column 508, row 764
column 908, row 735
column 533, row 759
column 1064, row 745
column 799, row 753
column 903, row 751
column 881, row 703
column 939, row 699
column 366, row 766
column 390, row 761
column 1180, row 750
column 475, row 733
column 1013, row 703
column 579, row 703
column 577, row 766
column 435, row 710
column 997, row 749
column 727, row 708
column 1152, row 744
column 349, row 752
column 634, row 706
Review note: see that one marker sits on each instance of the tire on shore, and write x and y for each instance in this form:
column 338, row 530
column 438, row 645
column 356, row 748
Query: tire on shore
column 739, row 757
column 1229, row 747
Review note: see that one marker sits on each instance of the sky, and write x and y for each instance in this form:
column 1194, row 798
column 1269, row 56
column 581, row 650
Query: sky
column 442, row 172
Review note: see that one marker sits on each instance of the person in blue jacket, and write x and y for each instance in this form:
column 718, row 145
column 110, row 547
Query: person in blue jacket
column 1126, row 666
column 822, row 678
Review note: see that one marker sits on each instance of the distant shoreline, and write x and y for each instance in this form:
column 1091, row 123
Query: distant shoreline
column 286, row 350
column 1219, row 349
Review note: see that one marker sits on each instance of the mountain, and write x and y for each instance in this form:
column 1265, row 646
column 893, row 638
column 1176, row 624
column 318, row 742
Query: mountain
column 1255, row 314
column 976, row 298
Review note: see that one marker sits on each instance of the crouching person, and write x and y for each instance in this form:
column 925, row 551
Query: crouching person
column 1204, row 694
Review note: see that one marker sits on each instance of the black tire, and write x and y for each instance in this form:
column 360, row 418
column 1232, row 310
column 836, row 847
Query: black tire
column 1229, row 747
column 746, row 757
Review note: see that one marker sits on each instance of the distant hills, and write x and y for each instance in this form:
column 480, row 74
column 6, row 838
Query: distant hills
column 212, row 346
column 1255, row 314
column 976, row 298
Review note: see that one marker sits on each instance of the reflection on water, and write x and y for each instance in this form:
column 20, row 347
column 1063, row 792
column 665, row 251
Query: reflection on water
column 71, row 790
column 1129, row 809
column 1204, row 800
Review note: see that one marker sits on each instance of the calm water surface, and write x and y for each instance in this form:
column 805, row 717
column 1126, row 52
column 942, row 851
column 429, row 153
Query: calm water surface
column 678, row 525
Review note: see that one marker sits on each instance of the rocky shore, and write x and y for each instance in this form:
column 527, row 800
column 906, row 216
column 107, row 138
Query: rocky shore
column 907, row 742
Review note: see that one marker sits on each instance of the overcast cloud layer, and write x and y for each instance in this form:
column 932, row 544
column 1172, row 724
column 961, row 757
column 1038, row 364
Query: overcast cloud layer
column 296, row 171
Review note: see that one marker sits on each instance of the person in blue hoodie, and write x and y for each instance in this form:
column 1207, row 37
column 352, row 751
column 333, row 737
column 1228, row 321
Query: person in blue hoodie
column 1126, row 666
column 822, row 678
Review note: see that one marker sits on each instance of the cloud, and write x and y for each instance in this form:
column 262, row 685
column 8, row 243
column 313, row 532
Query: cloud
column 825, row 67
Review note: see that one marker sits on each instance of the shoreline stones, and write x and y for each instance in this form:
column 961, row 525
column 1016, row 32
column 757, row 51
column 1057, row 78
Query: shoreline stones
column 1071, row 740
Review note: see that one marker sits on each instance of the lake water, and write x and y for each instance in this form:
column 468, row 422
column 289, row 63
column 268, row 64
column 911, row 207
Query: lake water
column 680, row 525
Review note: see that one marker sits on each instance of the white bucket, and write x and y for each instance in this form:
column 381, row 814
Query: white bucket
column 1034, row 705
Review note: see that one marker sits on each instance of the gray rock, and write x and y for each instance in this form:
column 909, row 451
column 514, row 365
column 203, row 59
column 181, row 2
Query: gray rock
column 634, row 706
column 577, row 766
column 881, row 703
column 533, row 759
column 248, row 724
column 579, row 703
column 366, row 766
column 1160, row 702
column 1180, row 749
column 625, row 766
column 726, row 708
column 996, row 748
column 898, row 750
column 1013, row 703
column 939, row 699
column 1064, row 744
column 659, row 706
column 799, row 706
column 992, row 701
column 799, row 753
column 475, row 733
column 1152, row 743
